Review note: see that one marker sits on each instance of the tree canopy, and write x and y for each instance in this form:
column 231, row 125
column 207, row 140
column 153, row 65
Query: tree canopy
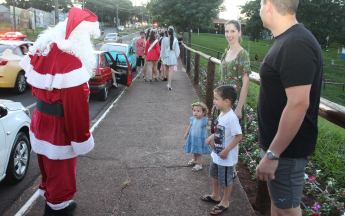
column 185, row 13
column 324, row 18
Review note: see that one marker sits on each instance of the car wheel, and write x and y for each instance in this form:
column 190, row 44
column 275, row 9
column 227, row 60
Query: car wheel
column 19, row 159
column 21, row 84
column 103, row 94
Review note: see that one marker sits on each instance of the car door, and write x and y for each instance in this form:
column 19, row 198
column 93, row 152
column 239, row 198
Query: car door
column 126, row 77
column 132, row 57
column 105, row 70
column 2, row 150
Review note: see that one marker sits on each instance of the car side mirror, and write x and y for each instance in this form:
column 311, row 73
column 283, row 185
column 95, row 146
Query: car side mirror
column 3, row 111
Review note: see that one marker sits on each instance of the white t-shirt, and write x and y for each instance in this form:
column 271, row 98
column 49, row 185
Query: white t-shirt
column 227, row 128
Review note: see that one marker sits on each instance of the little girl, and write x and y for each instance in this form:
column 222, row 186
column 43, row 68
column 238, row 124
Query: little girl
column 197, row 135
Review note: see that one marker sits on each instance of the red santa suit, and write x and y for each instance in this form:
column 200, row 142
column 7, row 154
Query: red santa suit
column 60, row 78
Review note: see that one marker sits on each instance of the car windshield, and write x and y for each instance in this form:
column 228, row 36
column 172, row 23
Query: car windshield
column 111, row 35
column 3, row 47
column 96, row 65
column 114, row 48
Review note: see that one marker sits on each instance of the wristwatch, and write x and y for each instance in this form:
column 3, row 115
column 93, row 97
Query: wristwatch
column 271, row 155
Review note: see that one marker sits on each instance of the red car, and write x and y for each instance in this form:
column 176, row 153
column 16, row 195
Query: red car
column 13, row 36
column 102, row 80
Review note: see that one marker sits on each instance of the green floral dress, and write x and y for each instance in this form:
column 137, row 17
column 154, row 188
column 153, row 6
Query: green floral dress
column 231, row 74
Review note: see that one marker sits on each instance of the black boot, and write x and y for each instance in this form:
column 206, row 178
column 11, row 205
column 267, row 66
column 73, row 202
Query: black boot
column 72, row 205
column 48, row 211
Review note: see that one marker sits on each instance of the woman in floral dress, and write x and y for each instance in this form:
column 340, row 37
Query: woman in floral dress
column 235, row 70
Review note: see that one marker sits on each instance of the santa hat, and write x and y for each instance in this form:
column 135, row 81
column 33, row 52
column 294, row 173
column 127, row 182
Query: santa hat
column 83, row 19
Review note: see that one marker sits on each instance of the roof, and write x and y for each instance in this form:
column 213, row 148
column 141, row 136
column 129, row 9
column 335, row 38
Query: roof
column 220, row 21
column 118, row 44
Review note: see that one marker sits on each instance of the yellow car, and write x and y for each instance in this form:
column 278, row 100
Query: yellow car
column 11, row 73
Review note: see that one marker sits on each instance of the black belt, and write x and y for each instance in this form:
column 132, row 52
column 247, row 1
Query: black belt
column 54, row 109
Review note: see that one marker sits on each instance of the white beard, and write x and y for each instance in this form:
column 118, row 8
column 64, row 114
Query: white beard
column 79, row 44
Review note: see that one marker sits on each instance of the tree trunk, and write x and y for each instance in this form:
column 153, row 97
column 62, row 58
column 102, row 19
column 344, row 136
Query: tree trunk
column 263, row 200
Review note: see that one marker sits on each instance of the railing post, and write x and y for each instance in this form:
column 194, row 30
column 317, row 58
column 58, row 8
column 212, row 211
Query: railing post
column 188, row 61
column 184, row 56
column 196, row 69
column 218, row 55
column 263, row 200
column 210, row 85
column 182, row 51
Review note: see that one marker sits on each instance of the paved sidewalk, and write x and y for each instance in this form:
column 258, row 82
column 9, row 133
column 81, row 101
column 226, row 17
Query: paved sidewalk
column 138, row 165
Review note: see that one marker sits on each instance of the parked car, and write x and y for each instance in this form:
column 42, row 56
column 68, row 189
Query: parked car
column 15, row 144
column 138, row 24
column 11, row 73
column 128, row 50
column 134, row 41
column 121, row 28
column 128, row 25
column 41, row 33
column 112, row 38
column 13, row 36
column 102, row 79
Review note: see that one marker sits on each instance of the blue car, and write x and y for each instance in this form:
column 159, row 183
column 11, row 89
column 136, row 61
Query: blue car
column 128, row 50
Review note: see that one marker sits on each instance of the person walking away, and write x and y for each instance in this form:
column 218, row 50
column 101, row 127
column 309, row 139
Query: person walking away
column 152, row 52
column 170, row 53
column 256, row 57
column 145, row 61
column 139, row 50
column 164, row 68
column 288, row 105
column 58, row 67
column 160, row 66
column 196, row 135
column 180, row 40
column 227, row 135
column 235, row 70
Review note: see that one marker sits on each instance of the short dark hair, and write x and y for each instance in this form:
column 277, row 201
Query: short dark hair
column 227, row 92
column 142, row 32
column 284, row 7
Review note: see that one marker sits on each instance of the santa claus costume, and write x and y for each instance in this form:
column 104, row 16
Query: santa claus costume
column 58, row 67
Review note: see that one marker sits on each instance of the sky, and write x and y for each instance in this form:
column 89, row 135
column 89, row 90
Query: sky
column 231, row 12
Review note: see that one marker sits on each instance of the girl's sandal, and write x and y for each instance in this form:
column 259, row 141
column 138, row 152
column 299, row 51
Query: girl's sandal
column 196, row 168
column 151, row 81
column 191, row 162
column 145, row 78
column 217, row 210
column 156, row 79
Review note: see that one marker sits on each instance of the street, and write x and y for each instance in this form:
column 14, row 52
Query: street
column 10, row 193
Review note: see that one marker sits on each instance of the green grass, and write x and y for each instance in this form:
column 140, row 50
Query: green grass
column 329, row 155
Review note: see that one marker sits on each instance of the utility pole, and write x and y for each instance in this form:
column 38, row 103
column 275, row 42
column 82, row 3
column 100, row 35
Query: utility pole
column 102, row 15
column 56, row 12
column 14, row 15
column 142, row 16
column 83, row 4
column 117, row 16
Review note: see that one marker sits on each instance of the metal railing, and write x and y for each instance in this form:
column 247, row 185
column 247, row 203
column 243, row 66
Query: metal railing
column 331, row 111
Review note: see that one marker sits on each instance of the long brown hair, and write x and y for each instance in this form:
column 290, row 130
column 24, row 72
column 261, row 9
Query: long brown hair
column 152, row 37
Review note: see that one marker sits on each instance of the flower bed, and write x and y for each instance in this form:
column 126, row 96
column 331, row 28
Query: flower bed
column 326, row 196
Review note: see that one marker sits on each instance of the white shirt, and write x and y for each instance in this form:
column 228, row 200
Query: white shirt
column 227, row 128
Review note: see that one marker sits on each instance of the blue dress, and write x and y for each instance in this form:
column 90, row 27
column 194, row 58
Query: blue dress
column 196, row 141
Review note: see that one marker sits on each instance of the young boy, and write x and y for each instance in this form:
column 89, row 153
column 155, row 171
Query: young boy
column 139, row 50
column 227, row 135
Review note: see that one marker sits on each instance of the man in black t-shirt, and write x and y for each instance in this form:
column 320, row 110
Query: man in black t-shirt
column 289, row 98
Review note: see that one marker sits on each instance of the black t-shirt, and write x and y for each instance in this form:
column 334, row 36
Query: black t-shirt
column 295, row 59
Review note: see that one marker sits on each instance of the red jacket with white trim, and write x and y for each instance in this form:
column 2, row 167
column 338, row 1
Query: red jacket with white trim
column 59, row 78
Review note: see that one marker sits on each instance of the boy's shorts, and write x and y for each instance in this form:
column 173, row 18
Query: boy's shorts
column 287, row 187
column 140, row 61
column 222, row 173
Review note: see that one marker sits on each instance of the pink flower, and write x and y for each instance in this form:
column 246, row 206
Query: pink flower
column 316, row 206
column 338, row 210
column 312, row 179
column 326, row 191
column 314, row 214
column 251, row 117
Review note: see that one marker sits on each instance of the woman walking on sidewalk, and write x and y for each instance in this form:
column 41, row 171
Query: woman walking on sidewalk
column 145, row 61
column 160, row 66
column 169, row 55
column 152, row 53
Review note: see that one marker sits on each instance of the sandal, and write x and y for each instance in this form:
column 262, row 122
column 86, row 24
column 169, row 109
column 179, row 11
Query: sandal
column 196, row 168
column 235, row 174
column 191, row 162
column 145, row 78
column 150, row 81
column 208, row 198
column 156, row 79
column 217, row 210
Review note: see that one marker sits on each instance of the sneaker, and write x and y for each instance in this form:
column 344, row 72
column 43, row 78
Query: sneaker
column 115, row 85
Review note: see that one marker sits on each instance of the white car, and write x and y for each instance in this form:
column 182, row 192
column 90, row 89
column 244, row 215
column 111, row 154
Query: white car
column 121, row 28
column 14, row 141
